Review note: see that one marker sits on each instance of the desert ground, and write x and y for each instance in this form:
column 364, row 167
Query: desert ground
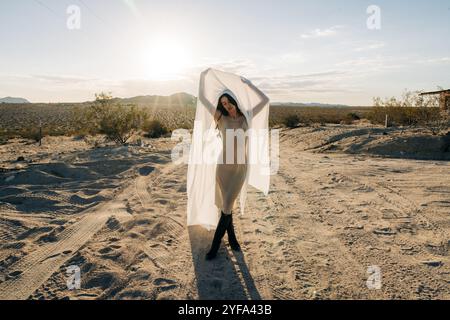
column 345, row 198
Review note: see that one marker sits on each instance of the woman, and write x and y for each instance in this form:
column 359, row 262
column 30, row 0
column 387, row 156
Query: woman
column 230, row 175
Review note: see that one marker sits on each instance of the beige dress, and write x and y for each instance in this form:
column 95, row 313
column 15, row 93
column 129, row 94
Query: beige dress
column 231, row 174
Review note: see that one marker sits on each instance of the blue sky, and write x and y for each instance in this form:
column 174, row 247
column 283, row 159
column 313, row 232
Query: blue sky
column 297, row 50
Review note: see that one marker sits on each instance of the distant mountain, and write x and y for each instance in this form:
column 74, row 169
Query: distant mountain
column 13, row 100
column 183, row 99
column 177, row 99
column 311, row 104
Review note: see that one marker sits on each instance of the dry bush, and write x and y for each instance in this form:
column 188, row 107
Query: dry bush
column 439, row 123
column 411, row 110
column 117, row 122
column 154, row 129
column 31, row 134
column 174, row 117
column 311, row 115
column 291, row 121
column 83, row 119
column 22, row 120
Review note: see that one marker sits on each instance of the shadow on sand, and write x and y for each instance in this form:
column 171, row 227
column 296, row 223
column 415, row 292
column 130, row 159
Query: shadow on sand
column 225, row 278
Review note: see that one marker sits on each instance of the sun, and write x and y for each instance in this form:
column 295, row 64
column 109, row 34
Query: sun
column 165, row 59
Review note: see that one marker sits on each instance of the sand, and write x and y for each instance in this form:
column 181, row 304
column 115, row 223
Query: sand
column 345, row 199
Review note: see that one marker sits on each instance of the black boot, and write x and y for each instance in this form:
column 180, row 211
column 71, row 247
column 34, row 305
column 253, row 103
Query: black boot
column 234, row 244
column 218, row 235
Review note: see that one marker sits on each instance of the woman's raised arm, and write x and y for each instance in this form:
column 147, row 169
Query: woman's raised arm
column 264, row 99
column 211, row 108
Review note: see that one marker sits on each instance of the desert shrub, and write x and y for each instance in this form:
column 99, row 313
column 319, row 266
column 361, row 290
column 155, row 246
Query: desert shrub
column 71, row 118
column 81, row 124
column 154, row 129
column 353, row 116
column 120, row 123
column 35, row 134
column 174, row 117
column 310, row 115
column 439, row 122
column 117, row 122
column 186, row 125
column 397, row 115
column 349, row 118
column 29, row 133
column 411, row 110
column 291, row 121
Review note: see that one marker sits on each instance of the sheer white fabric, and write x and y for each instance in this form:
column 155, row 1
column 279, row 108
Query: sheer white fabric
column 201, row 179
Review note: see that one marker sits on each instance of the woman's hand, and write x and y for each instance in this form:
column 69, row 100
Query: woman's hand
column 264, row 99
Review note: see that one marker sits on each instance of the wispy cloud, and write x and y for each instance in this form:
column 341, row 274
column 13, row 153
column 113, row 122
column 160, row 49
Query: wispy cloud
column 63, row 80
column 294, row 57
column 240, row 66
column 324, row 74
column 319, row 33
column 280, row 86
column 441, row 60
column 369, row 65
column 371, row 45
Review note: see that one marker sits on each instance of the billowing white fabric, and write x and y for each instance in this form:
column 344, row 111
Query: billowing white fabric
column 201, row 177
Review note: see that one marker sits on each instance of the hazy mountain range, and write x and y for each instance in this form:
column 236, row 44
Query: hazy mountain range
column 179, row 99
column 310, row 104
column 183, row 99
column 13, row 100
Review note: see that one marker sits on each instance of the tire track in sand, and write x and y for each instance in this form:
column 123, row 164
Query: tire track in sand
column 29, row 273
column 149, row 200
column 313, row 263
column 171, row 254
column 339, row 205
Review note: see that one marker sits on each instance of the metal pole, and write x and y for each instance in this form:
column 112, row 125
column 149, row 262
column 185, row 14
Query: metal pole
column 40, row 132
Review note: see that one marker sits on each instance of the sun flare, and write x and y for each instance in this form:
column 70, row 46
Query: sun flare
column 165, row 59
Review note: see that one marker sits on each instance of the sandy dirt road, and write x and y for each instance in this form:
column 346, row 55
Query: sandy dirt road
column 330, row 219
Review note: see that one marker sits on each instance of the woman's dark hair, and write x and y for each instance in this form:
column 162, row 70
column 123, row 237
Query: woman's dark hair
column 222, row 109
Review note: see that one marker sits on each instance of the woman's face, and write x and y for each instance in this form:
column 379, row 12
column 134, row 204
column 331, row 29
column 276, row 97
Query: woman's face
column 228, row 106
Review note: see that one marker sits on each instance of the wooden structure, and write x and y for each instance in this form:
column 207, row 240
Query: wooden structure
column 444, row 98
